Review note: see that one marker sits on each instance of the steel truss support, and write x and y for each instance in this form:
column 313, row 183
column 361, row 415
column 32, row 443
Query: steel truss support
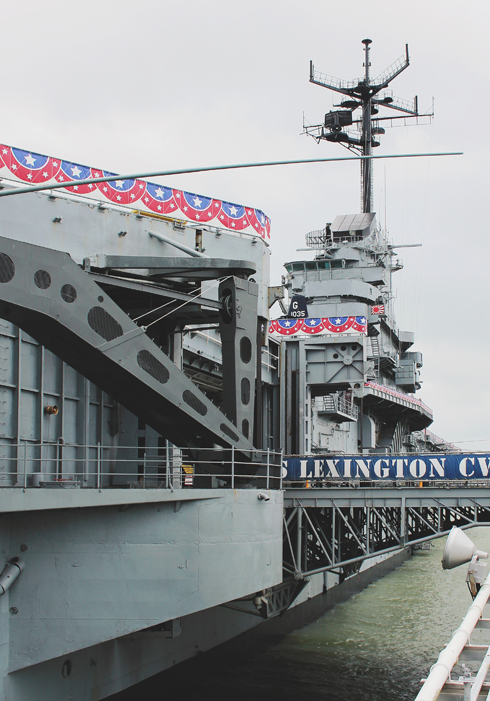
column 332, row 530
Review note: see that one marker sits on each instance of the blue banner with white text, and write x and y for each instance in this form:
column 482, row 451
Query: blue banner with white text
column 388, row 467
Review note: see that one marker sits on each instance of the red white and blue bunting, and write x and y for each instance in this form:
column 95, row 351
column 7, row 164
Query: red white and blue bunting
column 334, row 325
column 34, row 168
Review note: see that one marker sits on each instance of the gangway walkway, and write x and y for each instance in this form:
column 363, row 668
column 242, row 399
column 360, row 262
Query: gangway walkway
column 336, row 528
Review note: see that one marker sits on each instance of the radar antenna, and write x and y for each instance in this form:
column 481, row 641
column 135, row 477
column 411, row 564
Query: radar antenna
column 367, row 94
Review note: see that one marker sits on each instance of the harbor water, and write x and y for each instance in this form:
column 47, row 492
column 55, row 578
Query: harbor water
column 377, row 645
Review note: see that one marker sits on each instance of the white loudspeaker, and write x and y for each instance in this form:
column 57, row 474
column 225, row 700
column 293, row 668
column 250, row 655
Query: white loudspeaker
column 459, row 549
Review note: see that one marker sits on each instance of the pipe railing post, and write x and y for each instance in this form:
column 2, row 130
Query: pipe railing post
column 299, row 544
column 268, row 464
column 25, row 464
column 233, row 467
column 99, row 467
column 280, row 470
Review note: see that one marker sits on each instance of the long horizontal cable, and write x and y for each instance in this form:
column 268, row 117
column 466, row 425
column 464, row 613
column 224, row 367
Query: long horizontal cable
column 182, row 171
column 194, row 295
column 188, row 301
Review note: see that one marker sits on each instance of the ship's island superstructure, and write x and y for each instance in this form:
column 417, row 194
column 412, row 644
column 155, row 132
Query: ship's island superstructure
column 146, row 400
column 350, row 377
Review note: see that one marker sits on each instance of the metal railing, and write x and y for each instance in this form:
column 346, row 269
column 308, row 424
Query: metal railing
column 393, row 70
column 399, row 397
column 439, row 684
column 333, row 81
column 318, row 483
column 63, row 465
column 342, row 402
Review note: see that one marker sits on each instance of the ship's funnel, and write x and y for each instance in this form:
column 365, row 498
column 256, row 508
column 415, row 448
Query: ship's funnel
column 459, row 549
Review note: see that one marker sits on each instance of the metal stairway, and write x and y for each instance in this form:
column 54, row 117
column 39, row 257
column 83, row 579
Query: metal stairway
column 374, row 346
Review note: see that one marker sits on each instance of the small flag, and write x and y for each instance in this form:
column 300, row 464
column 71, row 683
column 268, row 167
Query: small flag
column 378, row 309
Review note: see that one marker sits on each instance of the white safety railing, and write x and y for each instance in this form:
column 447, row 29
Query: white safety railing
column 342, row 402
column 64, row 465
column 471, row 688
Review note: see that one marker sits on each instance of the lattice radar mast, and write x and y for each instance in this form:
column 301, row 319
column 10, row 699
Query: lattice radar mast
column 368, row 94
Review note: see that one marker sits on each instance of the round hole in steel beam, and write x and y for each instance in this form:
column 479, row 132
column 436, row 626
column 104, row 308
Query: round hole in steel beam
column 245, row 387
column 245, row 349
column 68, row 293
column 228, row 432
column 7, row 268
column 245, row 428
column 42, row 279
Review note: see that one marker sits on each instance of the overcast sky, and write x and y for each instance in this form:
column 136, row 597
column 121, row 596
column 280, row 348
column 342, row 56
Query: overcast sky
column 157, row 84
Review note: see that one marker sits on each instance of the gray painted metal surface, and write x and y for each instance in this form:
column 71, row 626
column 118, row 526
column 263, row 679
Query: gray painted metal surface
column 187, row 268
column 239, row 352
column 86, row 231
column 70, row 316
column 120, row 583
column 108, row 563
column 122, row 570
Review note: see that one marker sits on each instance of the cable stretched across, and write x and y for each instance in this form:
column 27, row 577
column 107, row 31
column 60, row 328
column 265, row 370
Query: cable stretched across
column 188, row 301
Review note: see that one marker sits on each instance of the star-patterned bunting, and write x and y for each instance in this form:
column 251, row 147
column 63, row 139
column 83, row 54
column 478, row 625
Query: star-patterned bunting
column 313, row 326
column 29, row 167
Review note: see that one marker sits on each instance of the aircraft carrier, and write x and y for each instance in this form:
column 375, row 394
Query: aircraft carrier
column 151, row 400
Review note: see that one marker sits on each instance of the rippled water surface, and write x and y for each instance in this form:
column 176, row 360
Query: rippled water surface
column 377, row 645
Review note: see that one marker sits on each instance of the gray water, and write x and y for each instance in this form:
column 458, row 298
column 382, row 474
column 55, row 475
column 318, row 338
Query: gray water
column 377, row 645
